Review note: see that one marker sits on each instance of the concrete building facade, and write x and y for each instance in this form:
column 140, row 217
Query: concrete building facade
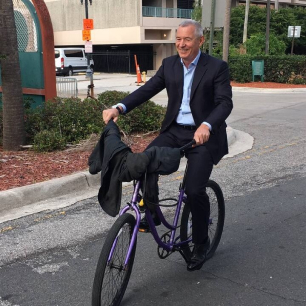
column 119, row 23
column 123, row 28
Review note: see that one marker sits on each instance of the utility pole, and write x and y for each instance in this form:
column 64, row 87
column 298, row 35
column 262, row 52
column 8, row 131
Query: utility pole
column 268, row 27
column 246, row 20
column 226, row 30
column 276, row 5
column 89, row 74
column 212, row 26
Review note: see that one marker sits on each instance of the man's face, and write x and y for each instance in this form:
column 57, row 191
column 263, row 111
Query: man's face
column 187, row 44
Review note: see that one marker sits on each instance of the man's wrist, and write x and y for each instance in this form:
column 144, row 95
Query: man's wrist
column 121, row 106
column 207, row 124
column 119, row 110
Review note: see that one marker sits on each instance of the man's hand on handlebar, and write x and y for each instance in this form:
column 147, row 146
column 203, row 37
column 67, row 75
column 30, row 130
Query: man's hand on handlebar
column 201, row 135
column 111, row 113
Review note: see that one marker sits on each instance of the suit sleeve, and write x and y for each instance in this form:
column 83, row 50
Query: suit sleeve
column 147, row 91
column 222, row 97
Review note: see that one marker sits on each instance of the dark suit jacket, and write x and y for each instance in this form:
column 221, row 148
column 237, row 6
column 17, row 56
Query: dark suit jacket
column 210, row 100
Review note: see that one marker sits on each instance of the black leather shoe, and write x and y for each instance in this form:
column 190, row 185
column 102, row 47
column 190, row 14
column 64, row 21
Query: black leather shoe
column 144, row 225
column 199, row 256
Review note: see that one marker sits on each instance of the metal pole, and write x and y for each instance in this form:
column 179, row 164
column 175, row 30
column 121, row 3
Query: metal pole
column 276, row 5
column 89, row 73
column 268, row 27
column 212, row 26
column 292, row 45
column 226, row 30
column 246, row 20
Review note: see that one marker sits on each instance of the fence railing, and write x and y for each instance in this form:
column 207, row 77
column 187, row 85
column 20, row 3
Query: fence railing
column 66, row 87
column 152, row 11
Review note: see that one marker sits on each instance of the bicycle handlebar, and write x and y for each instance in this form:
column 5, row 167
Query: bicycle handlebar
column 188, row 145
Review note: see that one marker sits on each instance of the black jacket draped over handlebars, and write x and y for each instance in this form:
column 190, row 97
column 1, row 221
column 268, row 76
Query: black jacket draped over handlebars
column 118, row 164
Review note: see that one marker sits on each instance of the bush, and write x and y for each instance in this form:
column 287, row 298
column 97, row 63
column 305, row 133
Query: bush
column 56, row 123
column 47, row 141
column 72, row 118
column 147, row 117
column 280, row 69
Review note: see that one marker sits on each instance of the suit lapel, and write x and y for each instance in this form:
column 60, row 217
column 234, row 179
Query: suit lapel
column 179, row 77
column 198, row 74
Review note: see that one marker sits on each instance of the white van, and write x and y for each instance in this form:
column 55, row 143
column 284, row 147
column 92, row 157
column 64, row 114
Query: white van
column 70, row 60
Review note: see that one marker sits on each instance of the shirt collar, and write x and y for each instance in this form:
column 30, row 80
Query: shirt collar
column 195, row 61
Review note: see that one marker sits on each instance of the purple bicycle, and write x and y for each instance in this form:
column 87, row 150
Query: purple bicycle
column 117, row 256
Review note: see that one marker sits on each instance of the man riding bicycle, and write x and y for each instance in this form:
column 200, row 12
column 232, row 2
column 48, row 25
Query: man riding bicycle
column 199, row 101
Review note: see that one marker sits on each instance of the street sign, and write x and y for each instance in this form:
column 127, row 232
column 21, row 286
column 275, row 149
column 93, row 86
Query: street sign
column 88, row 46
column 87, row 24
column 86, row 35
column 220, row 8
column 294, row 31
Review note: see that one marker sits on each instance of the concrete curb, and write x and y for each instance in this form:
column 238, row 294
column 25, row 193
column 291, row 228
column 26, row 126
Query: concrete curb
column 60, row 192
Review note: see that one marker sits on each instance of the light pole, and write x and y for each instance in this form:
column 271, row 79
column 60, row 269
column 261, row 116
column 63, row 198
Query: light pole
column 268, row 28
column 89, row 74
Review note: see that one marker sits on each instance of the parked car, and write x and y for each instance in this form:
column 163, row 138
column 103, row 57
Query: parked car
column 71, row 60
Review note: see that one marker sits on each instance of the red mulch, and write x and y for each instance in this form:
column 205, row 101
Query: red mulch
column 266, row 85
column 27, row 167
column 21, row 168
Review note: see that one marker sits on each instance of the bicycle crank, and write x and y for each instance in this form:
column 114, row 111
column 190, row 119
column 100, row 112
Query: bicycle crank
column 162, row 253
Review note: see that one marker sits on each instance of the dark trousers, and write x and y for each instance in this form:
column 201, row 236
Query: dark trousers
column 200, row 165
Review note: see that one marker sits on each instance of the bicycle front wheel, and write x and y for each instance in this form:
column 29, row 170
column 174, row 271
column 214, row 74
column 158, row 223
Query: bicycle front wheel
column 112, row 276
column 216, row 220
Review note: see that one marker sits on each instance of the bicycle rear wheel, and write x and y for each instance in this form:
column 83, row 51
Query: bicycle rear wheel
column 216, row 220
column 111, row 277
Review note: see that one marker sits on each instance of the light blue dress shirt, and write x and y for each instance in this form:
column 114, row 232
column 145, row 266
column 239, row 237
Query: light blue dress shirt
column 185, row 116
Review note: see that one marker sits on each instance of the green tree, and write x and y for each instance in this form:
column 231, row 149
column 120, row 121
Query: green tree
column 12, row 99
column 280, row 20
column 197, row 11
column 256, row 45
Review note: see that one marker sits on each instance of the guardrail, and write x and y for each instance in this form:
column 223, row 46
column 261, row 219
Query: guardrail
column 66, row 87
column 152, row 11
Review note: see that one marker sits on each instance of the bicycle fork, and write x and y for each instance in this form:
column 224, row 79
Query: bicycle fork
column 132, row 206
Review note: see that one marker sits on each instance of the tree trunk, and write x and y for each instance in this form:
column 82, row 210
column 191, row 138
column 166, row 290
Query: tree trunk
column 246, row 21
column 268, row 28
column 12, row 99
column 226, row 30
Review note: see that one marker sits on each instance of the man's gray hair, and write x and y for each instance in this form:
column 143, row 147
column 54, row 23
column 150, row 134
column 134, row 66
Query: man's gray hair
column 197, row 25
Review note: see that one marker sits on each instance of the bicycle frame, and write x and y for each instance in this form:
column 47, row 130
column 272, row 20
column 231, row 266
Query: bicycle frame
column 133, row 206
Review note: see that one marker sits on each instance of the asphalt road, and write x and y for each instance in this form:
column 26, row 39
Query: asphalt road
column 49, row 258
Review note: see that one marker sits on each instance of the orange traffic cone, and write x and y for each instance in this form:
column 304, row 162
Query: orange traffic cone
column 139, row 80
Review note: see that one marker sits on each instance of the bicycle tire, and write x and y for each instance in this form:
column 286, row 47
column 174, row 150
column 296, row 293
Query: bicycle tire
column 217, row 216
column 111, row 279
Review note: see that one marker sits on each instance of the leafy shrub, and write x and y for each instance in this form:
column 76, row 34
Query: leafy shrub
column 56, row 123
column 47, row 141
column 240, row 68
column 257, row 43
column 72, row 118
column 280, row 69
column 146, row 117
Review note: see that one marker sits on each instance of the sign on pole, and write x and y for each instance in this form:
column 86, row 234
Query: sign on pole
column 87, row 24
column 86, row 34
column 220, row 9
column 88, row 46
column 294, row 31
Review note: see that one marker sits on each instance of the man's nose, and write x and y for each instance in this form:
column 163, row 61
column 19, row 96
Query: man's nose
column 182, row 43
